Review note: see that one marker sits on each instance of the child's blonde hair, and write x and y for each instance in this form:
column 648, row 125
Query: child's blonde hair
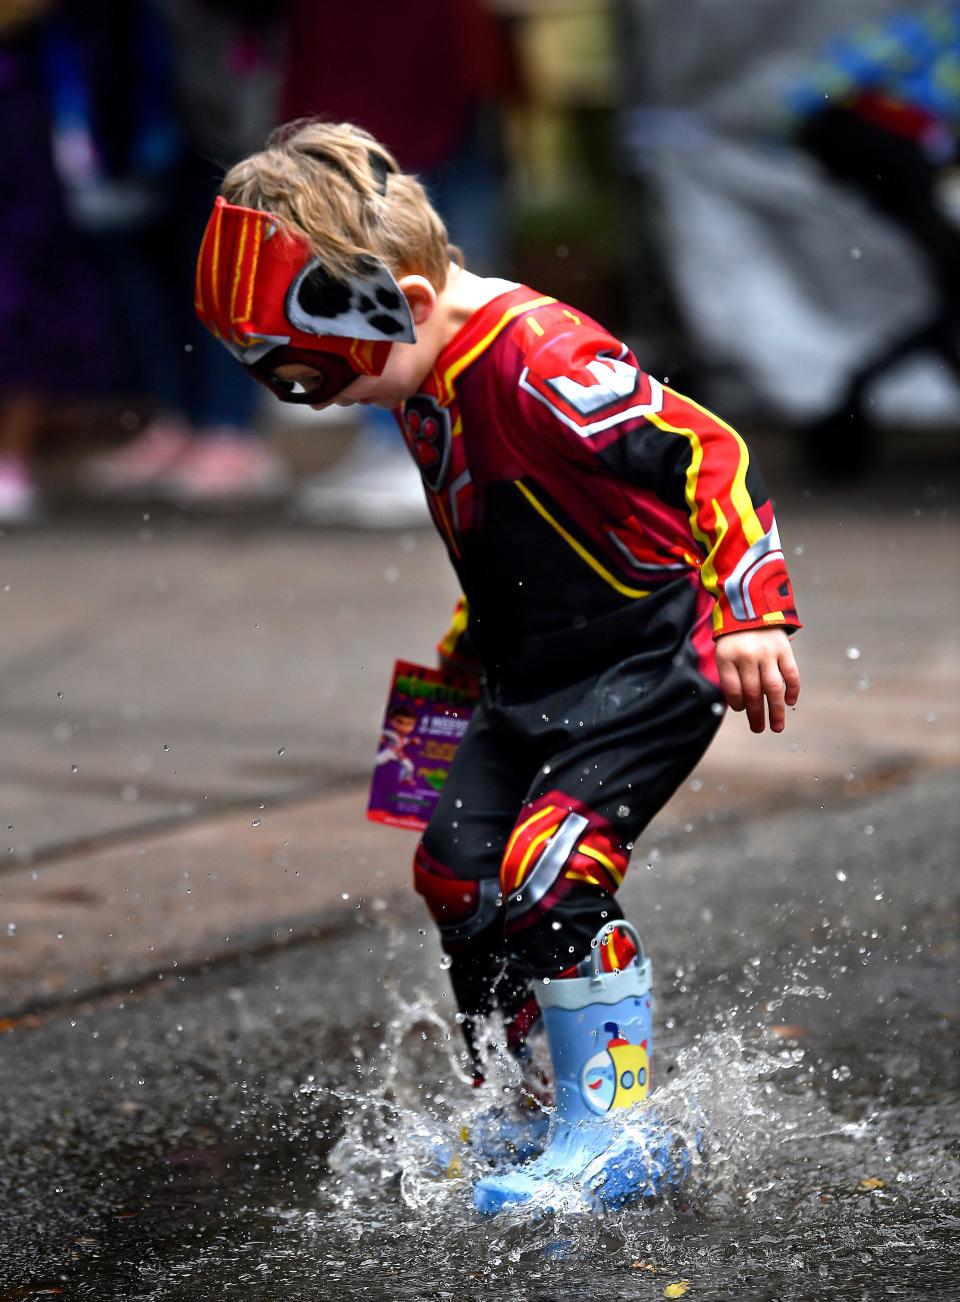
column 338, row 186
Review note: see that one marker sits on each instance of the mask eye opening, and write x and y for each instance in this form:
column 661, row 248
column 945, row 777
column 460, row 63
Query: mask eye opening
column 332, row 374
column 292, row 388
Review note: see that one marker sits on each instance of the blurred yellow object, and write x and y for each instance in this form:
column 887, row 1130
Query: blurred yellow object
column 678, row 1289
column 17, row 13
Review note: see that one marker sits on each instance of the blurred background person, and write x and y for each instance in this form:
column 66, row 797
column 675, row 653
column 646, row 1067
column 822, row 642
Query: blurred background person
column 56, row 341
column 152, row 99
column 783, row 283
column 880, row 110
column 441, row 119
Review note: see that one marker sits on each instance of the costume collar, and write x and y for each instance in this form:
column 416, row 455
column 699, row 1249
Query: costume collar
column 476, row 335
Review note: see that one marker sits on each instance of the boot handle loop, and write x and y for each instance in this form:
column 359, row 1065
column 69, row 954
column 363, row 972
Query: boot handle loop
column 621, row 924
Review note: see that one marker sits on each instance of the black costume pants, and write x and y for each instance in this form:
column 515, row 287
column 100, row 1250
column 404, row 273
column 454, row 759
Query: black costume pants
column 547, row 794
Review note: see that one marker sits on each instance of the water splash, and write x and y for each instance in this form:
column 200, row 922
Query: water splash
column 406, row 1117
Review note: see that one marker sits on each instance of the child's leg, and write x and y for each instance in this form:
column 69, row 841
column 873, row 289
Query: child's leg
column 623, row 744
column 520, row 897
column 622, row 748
column 457, row 867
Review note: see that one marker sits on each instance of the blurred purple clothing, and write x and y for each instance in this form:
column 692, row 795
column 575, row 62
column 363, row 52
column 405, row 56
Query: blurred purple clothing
column 53, row 324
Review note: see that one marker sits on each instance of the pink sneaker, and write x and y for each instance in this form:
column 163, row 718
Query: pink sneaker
column 137, row 470
column 226, row 468
column 19, row 502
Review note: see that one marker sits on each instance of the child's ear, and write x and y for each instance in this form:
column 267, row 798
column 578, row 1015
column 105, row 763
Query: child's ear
column 421, row 296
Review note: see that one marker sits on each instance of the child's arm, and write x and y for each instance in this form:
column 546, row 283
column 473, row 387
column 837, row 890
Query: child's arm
column 743, row 567
column 757, row 666
column 692, row 484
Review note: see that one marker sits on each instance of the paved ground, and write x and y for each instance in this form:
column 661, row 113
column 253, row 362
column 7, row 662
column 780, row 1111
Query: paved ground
column 227, row 1025
column 264, row 1130
column 188, row 711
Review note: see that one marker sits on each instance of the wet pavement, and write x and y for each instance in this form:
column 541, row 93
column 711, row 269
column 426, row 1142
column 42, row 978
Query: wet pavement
column 229, row 1048
column 257, row 1131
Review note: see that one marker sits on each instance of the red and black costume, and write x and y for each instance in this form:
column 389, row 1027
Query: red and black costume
column 605, row 530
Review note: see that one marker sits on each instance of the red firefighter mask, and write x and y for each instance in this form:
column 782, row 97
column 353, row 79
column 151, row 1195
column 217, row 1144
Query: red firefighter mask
column 263, row 292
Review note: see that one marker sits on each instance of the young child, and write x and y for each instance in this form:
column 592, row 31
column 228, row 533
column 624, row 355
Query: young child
column 623, row 578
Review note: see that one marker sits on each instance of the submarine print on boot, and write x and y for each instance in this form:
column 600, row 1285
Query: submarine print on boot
column 618, row 1076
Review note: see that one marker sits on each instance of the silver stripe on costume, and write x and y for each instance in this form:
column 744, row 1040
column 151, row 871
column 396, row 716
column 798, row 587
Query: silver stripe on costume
column 549, row 866
column 460, row 482
column 765, row 551
column 488, row 904
column 636, row 564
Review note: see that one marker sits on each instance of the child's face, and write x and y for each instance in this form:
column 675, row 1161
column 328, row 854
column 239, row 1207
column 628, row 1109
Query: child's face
column 403, row 724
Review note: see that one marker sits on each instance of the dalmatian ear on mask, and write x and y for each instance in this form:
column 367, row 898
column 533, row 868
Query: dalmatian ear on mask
column 369, row 306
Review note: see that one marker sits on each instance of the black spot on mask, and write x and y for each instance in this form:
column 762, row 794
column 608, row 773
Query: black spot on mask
column 321, row 296
column 387, row 325
column 389, row 299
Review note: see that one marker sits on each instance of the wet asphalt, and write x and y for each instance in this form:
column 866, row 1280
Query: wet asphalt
column 199, row 1137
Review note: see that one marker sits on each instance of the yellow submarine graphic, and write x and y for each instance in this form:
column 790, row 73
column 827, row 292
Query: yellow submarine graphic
column 619, row 1075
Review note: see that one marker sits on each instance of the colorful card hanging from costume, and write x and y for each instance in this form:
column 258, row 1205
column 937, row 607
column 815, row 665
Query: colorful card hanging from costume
column 427, row 713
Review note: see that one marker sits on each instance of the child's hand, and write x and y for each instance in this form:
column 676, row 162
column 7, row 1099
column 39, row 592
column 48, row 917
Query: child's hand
column 758, row 664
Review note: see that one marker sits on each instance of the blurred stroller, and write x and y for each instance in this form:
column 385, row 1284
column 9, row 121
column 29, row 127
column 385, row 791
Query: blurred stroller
column 881, row 110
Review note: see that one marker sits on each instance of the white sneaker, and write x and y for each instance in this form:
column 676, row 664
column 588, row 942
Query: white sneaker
column 374, row 486
column 19, row 500
column 136, row 470
column 226, row 468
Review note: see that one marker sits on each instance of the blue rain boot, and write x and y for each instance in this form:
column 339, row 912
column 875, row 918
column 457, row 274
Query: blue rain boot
column 601, row 1149
column 515, row 1128
column 507, row 1134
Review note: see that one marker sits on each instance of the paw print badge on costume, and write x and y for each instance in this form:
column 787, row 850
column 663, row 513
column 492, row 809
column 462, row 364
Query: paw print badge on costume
column 426, row 427
column 618, row 1075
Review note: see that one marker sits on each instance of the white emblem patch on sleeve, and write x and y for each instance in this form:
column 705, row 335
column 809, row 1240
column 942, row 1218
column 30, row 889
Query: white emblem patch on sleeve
column 615, row 380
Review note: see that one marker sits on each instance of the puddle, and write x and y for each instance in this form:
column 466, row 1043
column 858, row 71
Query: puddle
column 302, row 1163
column 269, row 1130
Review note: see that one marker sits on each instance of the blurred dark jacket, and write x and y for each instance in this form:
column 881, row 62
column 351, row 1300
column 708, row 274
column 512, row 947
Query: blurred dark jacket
column 415, row 74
